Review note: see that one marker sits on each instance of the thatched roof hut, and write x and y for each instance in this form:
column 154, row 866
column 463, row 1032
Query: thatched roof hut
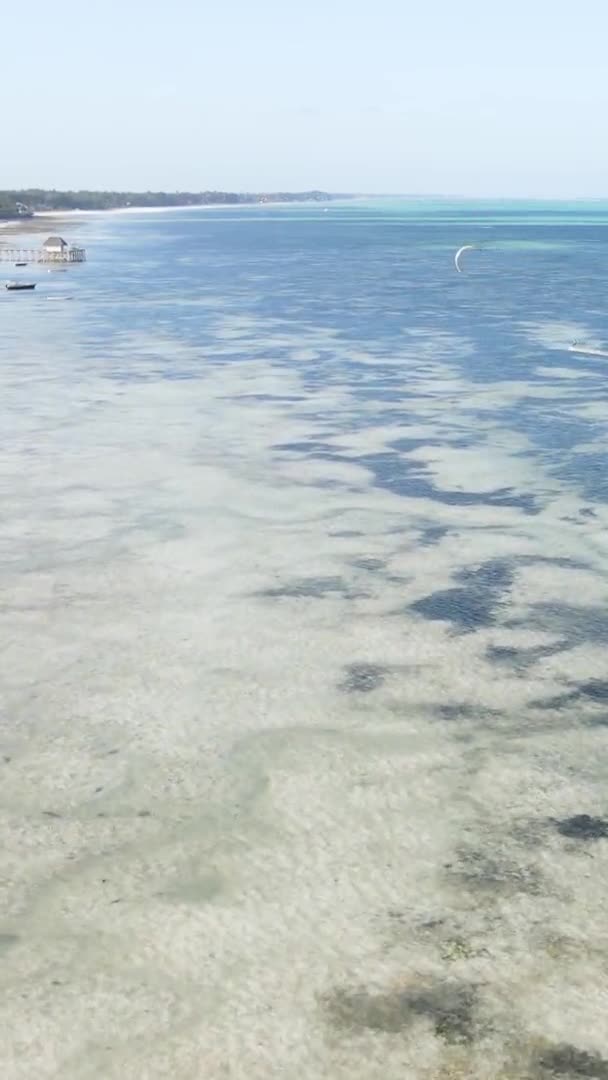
column 55, row 245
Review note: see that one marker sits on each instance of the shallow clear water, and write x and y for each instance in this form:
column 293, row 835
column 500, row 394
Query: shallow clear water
column 303, row 647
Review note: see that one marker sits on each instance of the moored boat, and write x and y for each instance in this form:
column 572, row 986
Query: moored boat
column 20, row 286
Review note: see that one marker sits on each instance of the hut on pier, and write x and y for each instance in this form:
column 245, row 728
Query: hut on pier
column 55, row 248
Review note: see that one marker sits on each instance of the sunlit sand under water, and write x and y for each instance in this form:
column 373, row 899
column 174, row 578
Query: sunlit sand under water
column 303, row 655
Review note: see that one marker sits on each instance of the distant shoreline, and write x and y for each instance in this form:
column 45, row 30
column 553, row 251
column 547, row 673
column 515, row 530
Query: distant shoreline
column 169, row 209
column 24, row 201
column 22, row 226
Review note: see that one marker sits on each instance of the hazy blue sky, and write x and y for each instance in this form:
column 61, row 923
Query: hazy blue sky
column 455, row 96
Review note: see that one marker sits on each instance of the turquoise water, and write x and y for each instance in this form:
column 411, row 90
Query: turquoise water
column 303, row 562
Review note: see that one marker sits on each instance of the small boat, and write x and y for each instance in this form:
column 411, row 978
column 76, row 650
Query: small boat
column 19, row 286
column 21, row 264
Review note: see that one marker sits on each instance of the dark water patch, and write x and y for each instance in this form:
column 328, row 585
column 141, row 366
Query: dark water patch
column 368, row 562
column 313, row 588
column 598, row 721
column 405, row 445
column 595, row 689
column 334, row 485
column 587, row 472
column 574, row 623
column 386, row 388
column 286, row 398
column 450, row 1006
column 496, row 574
column 408, row 477
column 558, row 431
column 556, row 702
column 503, row 653
column 432, row 534
column 7, row 941
column 552, row 560
column 583, row 827
column 346, row 534
column 569, row 1061
column 461, row 606
column 466, row 712
column 363, row 678
column 455, row 712
column 309, row 446
column 473, row 606
column 388, row 415
column 329, row 455
column 508, row 654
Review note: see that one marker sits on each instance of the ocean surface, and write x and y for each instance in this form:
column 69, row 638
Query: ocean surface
column 303, row 647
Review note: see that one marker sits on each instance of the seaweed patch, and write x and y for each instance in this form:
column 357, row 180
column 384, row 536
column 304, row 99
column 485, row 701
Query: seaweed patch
column 450, row 1006
column 583, row 827
column 316, row 588
column 363, row 678
column 566, row 1060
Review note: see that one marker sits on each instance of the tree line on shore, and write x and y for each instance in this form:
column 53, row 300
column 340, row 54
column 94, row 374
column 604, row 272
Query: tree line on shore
column 42, row 199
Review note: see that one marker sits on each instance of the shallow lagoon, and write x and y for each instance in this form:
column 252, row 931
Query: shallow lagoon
column 303, row 649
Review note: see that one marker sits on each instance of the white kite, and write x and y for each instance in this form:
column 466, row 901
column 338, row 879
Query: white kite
column 467, row 247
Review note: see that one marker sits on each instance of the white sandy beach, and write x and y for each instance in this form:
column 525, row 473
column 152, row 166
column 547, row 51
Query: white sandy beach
column 166, row 209
column 117, row 210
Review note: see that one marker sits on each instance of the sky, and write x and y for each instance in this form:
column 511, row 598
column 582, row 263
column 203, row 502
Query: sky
column 463, row 97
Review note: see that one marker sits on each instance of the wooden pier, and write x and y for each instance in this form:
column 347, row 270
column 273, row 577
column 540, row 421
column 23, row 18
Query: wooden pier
column 40, row 255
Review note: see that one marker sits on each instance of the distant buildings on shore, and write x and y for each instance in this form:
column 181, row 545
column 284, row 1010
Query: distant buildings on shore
column 18, row 210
